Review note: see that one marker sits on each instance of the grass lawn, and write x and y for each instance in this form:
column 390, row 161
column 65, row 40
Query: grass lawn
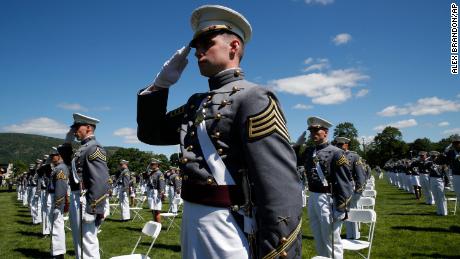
column 405, row 228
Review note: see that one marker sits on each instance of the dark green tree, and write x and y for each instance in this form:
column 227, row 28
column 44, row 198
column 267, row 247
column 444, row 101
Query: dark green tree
column 138, row 160
column 348, row 130
column 387, row 145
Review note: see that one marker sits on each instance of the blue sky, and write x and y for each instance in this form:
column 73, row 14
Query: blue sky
column 372, row 63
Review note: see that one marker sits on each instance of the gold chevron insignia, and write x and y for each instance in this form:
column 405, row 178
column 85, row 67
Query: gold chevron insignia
column 60, row 175
column 98, row 154
column 342, row 161
column 267, row 122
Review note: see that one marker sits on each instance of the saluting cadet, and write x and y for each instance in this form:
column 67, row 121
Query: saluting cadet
column 331, row 189
column 425, row 177
column 57, row 190
column 123, row 190
column 90, row 175
column 235, row 148
column 156, row 188
column 438, row 179
column 453, row 159
column 359, row 181
column 415, row 178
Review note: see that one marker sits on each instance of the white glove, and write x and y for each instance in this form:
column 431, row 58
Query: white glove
column 69, row 137
column 172, row 69
column 301, row 140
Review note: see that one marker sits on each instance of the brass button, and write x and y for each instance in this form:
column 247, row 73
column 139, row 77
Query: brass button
column 234, row 89
column 283, row 254
column 184, row 160
column 189, row 148
column 283, row 240
column 209, row 180
column 218, row 116
column 237, row 73
column 192, row 133
column 220, row 151
column 209, row 97
column 223, row 103
column 217, row 134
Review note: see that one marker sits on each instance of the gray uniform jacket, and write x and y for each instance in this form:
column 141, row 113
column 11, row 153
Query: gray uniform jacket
column 357, row 170
column 336, row 170
column 247, row 129
column 157, row 181
column 453, row 158
column 91, row 164
column 176, row 181
column 123, row 180
column 59, row 184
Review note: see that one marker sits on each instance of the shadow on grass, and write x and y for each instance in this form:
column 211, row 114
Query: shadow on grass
column 436, row 255
column 23, row 215
column 28, row 233
column 174, row 248
column 134, row 229
column 307, row 237
column 412, row 214
column 22, row 222
column 32, row 253
column 452, row 229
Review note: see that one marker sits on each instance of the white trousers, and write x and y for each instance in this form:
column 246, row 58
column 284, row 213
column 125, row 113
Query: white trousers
column 46, row 211
column 172, row 195
column 74, row 217
column 154, row 201
column 19, row 190
column 320, row 215
column 353, row 227
column 211, row 232
column 25, row 195
column 426, row 188
column 57, row 231
column 124, row 205
column 36, row 208
column 30, row 195
column 437, row 186
column 456, row 184
column 90, row 240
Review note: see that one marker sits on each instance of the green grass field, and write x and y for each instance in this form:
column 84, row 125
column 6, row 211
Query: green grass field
column 405, row 228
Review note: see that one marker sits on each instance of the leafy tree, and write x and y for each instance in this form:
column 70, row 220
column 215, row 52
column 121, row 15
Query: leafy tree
column 420, row 144
column 387, row 145
column 174, row 159
column 138, row 160
column 348, row 130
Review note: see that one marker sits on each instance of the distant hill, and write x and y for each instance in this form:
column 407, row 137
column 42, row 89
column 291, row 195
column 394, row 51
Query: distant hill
column 28, row 147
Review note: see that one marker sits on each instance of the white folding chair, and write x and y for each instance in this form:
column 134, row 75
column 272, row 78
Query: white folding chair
column 151, row 229
column 370, row 193
column 170, row 216
column 136, row 209
column 454, row 199
column 361, row 216
column 114, row 206
column 366, row 203
column 66, row 224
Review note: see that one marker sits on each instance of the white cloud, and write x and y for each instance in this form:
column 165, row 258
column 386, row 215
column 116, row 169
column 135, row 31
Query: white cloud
column 398, row 124
column 300, row 106
column 443, row 124
column 129, row 135
column 458, row 95
column 451, row 131
column 323, row 2
column 362, row 92
column 42, row 126
column 72, row 107
column 316, row 64
column 423, row 106
column 324, row 88
column 367, row 139
column 341, row 38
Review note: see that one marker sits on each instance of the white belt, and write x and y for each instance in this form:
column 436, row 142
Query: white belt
column 214, row 161
column 320, row 171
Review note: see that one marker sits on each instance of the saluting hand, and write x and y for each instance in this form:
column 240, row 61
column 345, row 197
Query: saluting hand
column 172, row 69
column 301, row 140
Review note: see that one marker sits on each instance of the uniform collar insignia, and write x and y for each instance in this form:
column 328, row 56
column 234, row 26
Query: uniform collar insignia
column 224, row 77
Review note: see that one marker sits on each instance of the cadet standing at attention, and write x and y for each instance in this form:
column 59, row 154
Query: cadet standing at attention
column 91, row 174
column 242, row 196
column 331, row 189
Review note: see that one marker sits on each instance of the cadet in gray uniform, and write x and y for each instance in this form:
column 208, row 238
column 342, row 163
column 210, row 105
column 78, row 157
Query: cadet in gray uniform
column 175, row 184
column 438, row 179
column 35, row 204
column 331, row 189
column 359, row 181
column 453, row 159
column 90, row 173
column 57, row 190
column 424, row 170
column 235, row 149
column 156, row 188
column 123, row 190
